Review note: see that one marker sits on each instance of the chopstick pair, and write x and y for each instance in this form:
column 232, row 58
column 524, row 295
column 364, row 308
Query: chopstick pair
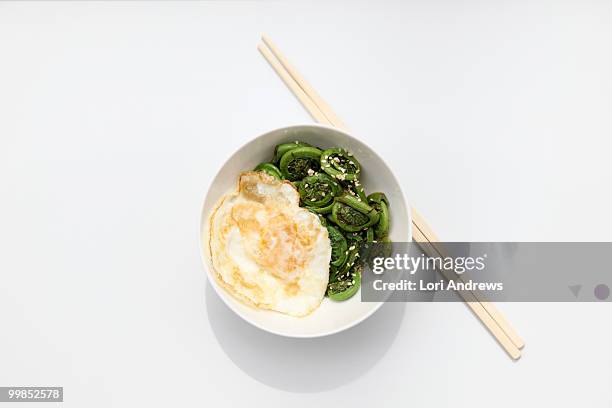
column 422, row 234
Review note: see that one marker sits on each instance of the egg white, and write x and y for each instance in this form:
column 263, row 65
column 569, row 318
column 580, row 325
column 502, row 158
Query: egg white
column 268, row 251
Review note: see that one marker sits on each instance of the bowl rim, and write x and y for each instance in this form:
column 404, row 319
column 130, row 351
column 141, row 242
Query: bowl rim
column 203, row 218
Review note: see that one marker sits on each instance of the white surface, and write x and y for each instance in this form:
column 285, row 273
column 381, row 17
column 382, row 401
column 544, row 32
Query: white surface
column 114, row 118
column 330, row 317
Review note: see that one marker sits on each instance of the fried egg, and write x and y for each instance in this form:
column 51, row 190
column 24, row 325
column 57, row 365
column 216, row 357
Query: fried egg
column 268, row 251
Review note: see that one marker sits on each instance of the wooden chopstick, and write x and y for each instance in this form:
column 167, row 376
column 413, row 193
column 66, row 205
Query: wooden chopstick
column 422, row 233
column 306, row 101
column 470, row 300
column 419, row 223
column 332, row 118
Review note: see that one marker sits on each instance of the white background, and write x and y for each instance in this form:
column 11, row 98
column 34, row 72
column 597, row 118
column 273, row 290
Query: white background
column 114, row 118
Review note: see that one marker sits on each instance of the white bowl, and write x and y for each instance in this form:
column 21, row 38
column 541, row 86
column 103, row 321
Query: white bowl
column 331, row 317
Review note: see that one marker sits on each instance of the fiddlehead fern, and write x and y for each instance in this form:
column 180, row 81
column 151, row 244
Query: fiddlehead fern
column 338, row 245
column 283, row 148
column 300, row 162
column 346, row 288
column 270, row 169
column 318, row 191
column 352, row 215
column 340, row 164
column 380, row 202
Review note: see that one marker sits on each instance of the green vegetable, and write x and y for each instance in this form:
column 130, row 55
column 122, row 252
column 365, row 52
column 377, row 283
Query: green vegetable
column 351, row 215
column 299, row 162
column 370, row 234
column 270, row 169
column 352, row 253
column 378, row 249
column 380, row 203
column 318, row 191
column 345, row 289
column 283, row 148
column 354, row 236
column 358, row 188
column 339, row 246
column 378, row 197
column 340, row 164
column 322, row 210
